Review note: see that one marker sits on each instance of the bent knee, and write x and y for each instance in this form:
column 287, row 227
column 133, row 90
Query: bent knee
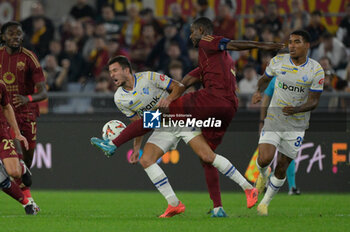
column 206, row 156
column 14, row 172
column 146, row 161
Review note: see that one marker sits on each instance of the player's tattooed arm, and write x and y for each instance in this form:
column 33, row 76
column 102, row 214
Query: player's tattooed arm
column 310, row 104
column 262, row 85
column 189, row 80
column 40, row 95
column 238, row 45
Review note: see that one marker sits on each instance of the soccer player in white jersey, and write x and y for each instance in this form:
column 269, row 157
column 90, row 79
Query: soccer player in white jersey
column 298, row 87
column 145, row 91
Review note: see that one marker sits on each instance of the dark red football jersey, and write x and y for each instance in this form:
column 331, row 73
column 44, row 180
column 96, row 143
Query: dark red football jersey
column 215, row 67
column 20, row 72
column 4, row 100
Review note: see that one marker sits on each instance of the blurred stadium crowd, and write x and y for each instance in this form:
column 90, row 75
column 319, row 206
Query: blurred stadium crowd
column 74, row 54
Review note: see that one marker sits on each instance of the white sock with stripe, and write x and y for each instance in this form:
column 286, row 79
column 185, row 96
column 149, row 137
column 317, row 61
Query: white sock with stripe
column 272, row 188
column 160, row 181
column 264, row 171
column 226, row 168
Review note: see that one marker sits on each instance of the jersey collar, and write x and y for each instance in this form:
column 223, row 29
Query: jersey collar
column 307, row 60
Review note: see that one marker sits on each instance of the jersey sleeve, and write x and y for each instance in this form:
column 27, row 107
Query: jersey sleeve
column 215, row 43
column 318, row 80
column 270, row 88
column 35, row 68
column 3, row 94
column 270, row 70
column 125, row 110
column 195, row 73
column 161, row 81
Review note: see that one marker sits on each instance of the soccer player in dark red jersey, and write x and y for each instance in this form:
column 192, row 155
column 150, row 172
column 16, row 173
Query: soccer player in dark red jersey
column 10, row 164
column 23, row 75
column 217, row 99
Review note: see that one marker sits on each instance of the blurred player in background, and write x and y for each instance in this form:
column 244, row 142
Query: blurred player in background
column 143, row 91
column 298, row 87
column 217, row 99
column 22, row 74
column 10, row 165
column 293, row 190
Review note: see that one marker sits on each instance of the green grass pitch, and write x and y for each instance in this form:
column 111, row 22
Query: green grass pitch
column 65, row 211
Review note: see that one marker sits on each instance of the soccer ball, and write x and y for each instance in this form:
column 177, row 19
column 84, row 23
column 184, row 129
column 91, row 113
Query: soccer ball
column 112, row 129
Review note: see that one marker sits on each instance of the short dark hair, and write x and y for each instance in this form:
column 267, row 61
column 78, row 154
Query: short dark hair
column 122, row 61
column 9, row 24
column 306, row 36
column 204, row 22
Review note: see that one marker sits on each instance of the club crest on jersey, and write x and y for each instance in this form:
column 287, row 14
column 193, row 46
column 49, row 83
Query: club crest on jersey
column 20, row 66
column 146, row 90
column 161, row 77
column 9, row 78
column 131, row 102
column 305, row 78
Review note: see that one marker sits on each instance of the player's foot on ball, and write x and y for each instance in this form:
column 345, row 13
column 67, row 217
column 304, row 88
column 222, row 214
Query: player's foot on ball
column 252, row 197
column 30, row 209
column 104, row 145
column 261, row 183
column 173, row 210
column 262, row 209
column 218, row 212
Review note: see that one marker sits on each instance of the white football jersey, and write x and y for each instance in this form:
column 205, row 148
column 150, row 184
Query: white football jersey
column 292, row 87
column 149, row 88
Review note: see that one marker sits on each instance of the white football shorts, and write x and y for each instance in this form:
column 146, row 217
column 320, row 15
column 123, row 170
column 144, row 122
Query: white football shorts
column 167, row 139
column 288, row 143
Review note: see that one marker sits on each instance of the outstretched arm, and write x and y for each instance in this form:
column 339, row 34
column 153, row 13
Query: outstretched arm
column 237, row 45
column 310, row 104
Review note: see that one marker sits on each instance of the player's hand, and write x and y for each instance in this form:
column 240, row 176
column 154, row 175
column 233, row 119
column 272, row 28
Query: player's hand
column 256, row 97
column 23, row 139
column 134, row 157
column 19, row 100
column 163, row 105
column 289, row 110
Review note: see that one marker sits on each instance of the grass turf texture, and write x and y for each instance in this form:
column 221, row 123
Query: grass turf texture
column 137, row 211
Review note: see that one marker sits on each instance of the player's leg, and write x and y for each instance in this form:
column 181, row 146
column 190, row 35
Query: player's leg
column 13, row 190
column 276, row 182
column 155, row 147
column 288, row 147
column 28, row 130
column 291, row 177
column 268, row 142
column 13, row 167
column 202, row 149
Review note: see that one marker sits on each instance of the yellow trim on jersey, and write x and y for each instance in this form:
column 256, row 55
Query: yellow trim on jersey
column 288, row 68
column 208, row 38
column 31, row 55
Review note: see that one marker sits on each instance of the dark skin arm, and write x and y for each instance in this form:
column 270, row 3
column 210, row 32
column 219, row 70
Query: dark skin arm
column 262, row 85
column 310, row 104
column 176, row 90
column 40, row 95
column 238, row 45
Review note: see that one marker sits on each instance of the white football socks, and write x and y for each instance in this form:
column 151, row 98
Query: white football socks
column 226, row 168
column 160, row 180
column 273, row 187
column 264, row 171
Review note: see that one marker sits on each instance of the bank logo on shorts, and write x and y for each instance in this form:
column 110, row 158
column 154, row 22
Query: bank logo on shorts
column 151, row 119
